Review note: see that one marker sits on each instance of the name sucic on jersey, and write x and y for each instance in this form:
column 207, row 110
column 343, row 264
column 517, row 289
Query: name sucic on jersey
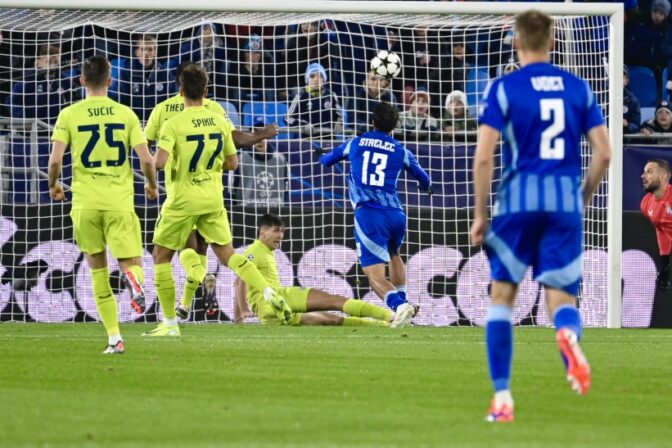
column 375, row 143
column 547, row 83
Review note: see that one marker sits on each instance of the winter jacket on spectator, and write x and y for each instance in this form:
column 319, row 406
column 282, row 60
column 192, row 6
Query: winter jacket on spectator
column 42, row 95
column 365, row 104
column 631, row 112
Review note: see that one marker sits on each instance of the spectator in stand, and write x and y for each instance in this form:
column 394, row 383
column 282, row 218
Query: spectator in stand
column 44, row 91
column 263, row 174
column 254, row 78
column 644, row 39
column 416, row 123
column 368, row 96
column 508, row 68
column 457, row 118
column 632, row 115
column 661, row 123
column 146, row 82
column 316, row 110
column 208, row 50
column 309, row 44
column 454, row 65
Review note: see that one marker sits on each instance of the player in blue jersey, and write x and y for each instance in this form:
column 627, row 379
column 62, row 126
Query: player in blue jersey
column 376, row 160
column 541, row 111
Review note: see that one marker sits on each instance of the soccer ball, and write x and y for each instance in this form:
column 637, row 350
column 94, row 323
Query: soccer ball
column 386, row 65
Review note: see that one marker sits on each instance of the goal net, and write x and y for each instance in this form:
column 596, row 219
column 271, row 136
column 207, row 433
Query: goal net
column 263, row 67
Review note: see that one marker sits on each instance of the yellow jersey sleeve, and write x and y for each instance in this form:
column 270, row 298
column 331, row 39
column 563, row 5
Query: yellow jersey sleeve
column 154, row 123
column 215, row 107
column 167, row 138
column 61, row 128
column 137, row 137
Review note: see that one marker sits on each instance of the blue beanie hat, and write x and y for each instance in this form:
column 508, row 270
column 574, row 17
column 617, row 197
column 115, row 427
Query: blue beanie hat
column 315, row 67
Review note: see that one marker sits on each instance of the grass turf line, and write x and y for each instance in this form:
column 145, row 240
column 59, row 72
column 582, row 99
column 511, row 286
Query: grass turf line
column 274, row 386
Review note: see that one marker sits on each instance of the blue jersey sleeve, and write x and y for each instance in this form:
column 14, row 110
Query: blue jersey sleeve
column 336, row 155
column 413, row 167
column 593, row 115
column 491, row 111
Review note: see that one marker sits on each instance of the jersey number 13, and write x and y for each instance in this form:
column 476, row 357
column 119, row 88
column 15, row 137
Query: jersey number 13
column 379, row 161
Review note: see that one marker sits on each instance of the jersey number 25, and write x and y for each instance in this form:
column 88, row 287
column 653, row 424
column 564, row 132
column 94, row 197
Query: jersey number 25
column 552, row 145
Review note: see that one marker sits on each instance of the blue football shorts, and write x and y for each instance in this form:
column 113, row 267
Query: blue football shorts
column 379, row 234
column 550, row 242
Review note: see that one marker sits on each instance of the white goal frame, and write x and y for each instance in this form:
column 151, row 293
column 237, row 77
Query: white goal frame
column 615, row 73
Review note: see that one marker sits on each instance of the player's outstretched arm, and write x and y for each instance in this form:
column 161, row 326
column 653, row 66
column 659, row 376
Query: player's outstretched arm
column 245, row 139
column 599, row 140
column 335, row 156
column 483, row 170
column 147, row 166
column 54, row 170
column 417, row 172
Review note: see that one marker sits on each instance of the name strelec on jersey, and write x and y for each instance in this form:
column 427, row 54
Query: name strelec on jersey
column 375, row 143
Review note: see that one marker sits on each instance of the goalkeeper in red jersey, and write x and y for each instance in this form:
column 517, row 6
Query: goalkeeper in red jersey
column 657, row 207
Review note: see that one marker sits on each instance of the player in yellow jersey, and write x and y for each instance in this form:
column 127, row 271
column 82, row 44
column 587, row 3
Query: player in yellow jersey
column 308, row 305
column 100, row 133
column 196, row 247
column 201, row 146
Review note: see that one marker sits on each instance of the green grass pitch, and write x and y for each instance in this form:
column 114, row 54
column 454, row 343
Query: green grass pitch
column 246, row 386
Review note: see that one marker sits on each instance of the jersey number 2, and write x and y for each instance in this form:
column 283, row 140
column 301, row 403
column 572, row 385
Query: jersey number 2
column 552, row 145
column 376, row 179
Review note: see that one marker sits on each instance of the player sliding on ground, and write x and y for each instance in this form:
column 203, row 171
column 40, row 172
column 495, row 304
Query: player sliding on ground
column 537, row 218
column 196, row 248
column 100, row 132
column 308, row 305
column 201, row 147
column 376, row 161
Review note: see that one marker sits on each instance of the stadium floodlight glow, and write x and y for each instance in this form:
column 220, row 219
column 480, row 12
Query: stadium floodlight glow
column 446, row 276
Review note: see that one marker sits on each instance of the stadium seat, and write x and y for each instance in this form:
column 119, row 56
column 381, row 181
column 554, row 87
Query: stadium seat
column 231, row 111
column 474, row 86
column 643, row 85
column 666, row 77
column 647, row 113
column 273, row 112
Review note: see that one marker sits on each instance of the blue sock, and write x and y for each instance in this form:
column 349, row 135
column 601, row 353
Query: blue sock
column 393, row 299
column 401, row 290
column 499, row 342
column 567, row 316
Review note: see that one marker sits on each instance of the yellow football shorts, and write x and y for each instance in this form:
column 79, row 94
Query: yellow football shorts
column 297, row 299
column 172, row 231
column 95, row 229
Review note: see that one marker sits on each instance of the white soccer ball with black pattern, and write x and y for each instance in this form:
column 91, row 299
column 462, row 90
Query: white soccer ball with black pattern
column 386, row 65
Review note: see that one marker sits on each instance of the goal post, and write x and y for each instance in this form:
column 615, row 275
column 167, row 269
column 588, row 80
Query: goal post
column 444, row 271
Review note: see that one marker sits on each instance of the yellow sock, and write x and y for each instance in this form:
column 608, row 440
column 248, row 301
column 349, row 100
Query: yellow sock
column 139, row 273
column 359, row 308
column 248, row 272
column 105, row 301
column 165, row 288
column 193, row 266
column 349, row 321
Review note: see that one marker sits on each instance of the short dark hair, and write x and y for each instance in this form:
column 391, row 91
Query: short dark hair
column 385, row 117
column 534, row 29
column 664, row 164
column 193, row 81
column 180, row 69
column 96, row 71
column 270, row 220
